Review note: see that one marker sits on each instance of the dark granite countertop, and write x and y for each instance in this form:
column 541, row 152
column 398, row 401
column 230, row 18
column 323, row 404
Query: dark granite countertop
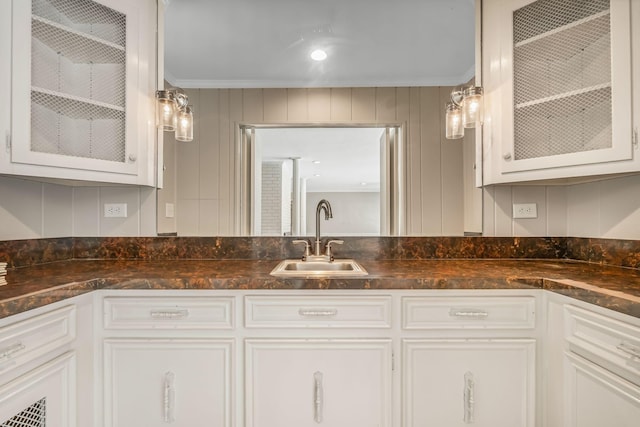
column 615, row 288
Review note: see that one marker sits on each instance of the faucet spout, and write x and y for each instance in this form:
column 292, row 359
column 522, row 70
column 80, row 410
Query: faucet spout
column 326, row 206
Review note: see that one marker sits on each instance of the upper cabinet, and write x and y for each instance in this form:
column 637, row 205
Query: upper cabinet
column 82, row 82
column 558, row 84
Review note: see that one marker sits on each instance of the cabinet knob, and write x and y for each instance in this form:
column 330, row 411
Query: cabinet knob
column 506, row 156
column 132, row 158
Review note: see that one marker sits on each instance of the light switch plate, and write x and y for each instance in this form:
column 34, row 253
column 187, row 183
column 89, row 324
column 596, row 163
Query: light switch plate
column 169, row 210
column 525, row 210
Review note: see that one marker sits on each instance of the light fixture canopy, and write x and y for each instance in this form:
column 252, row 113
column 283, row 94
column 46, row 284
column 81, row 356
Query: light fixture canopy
column 173, row 113
column 319, row 55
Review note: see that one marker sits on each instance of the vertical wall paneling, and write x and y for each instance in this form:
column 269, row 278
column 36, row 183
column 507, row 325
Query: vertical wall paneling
column 414, row 171
column 276, row 101
column 386, row 104
column 430, row 161
column 209, row 143
column 341, row 105
column 228, row 171
column 620, row 208
column 252, row 106
column 20, row 209
column 167, row 194
column 57, row 203
column 86, row 211
column 452, row 174
column 489, row 211
column 556, row 211
column 319, row 105
column 297, row 107
column 503, row 211
column 363, row 105
column 222, row 164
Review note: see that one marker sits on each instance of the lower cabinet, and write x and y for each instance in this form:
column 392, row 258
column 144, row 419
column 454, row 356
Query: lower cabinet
column 597, row 398
column 42, row 397
column 182, row 382
column 337, row 382
column 459, row 382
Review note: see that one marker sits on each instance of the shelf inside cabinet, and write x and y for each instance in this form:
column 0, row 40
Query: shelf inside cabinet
column 596, row 89
column 586, row 30
column 75, row 107
column 76, row 45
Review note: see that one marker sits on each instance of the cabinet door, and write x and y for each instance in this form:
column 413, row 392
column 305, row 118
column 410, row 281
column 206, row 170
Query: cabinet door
column 80, row 88
column 152, row 382
column 42, row 397
column 338, row 383
column 557, row 77
column 456, row 383
column 597, row 397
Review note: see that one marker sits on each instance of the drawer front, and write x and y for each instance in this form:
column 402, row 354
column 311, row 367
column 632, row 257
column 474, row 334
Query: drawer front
column 468, row 312
column 28, row 339
column 168, row 313
column 317, row 312
column 608, row 342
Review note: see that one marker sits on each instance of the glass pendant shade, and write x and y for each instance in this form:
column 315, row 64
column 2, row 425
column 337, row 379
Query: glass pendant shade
column 472, row 110
column 453, row 126
column 165, row 110
column 184, row 128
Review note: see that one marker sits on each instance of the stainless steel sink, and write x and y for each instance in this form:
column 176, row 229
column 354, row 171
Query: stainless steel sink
column 299, row 268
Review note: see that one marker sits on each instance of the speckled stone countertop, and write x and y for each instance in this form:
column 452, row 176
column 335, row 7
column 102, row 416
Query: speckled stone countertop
column 612, row 287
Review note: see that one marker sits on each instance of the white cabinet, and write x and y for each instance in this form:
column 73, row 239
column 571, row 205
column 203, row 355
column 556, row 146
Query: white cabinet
column 309, row 382
column 180, row 381
column 38, row 369
column 481, row 382
column 558, row 88
column 469, row 359
column 602, row 368
column 82, row 86
column 168, row 359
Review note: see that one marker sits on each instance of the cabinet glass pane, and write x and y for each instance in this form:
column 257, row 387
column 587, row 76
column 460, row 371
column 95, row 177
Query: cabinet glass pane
column 562, row 78
column 78, row 79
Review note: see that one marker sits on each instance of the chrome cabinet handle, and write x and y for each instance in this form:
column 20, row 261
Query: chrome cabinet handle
column 8, row 352
column 317, row 397
column 169, row 314
column 469, row 399
column 468, row 313
column 629, row 349
column 319, row 312
column 169, row 398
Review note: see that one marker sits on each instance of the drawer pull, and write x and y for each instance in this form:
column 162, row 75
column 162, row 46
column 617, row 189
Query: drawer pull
column 10, row 351
column 469, row 399
column 169, row 397
column 468, row 314
column 629, row 349
column 317, row 397
column 169, row 314
column 312, row 312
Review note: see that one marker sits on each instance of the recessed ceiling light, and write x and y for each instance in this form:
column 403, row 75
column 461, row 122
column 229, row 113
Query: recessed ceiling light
column 315, row 162
column 318, row 55
column 317, row 174
column 363, row 183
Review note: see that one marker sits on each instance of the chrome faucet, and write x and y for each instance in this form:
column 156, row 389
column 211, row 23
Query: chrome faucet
column 318, row 255
column 326, row 206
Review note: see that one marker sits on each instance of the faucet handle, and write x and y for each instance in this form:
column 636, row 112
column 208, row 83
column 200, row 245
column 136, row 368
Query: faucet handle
column 307, row 247
column 328, row 251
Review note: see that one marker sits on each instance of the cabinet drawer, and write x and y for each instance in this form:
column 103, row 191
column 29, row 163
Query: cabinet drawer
column 317, row 312
column 608, row 342
column 25, row 340
column 168, row 313
column 468, row 312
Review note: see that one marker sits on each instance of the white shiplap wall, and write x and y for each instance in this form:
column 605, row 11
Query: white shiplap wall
column 205, row 170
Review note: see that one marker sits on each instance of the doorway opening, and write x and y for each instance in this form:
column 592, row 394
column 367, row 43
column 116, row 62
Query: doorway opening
column 286, row 170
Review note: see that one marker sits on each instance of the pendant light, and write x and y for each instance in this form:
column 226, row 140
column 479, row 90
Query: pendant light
column 472, row 107
column 464, row 111
column 184, row 126
column 454, row 128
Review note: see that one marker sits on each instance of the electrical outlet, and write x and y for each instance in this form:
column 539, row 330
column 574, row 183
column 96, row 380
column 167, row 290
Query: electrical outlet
column 115, row 210
column 525, row 210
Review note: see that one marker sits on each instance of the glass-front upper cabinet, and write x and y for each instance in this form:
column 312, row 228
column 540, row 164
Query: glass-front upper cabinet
column 558, row 80
column 82, row 82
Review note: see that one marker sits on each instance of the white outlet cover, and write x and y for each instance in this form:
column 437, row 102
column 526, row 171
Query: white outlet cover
column 115, row 210
column 525, row 210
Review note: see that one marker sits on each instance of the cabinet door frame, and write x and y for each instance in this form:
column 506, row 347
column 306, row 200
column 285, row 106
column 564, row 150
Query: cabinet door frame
column 525, row 345
column 382, row 345
column 498, row 138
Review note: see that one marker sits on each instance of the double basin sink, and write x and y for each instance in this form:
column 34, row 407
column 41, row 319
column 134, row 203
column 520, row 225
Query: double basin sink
column 299, row 268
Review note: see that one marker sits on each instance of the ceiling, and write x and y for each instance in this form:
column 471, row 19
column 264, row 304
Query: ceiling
column 267, row 43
